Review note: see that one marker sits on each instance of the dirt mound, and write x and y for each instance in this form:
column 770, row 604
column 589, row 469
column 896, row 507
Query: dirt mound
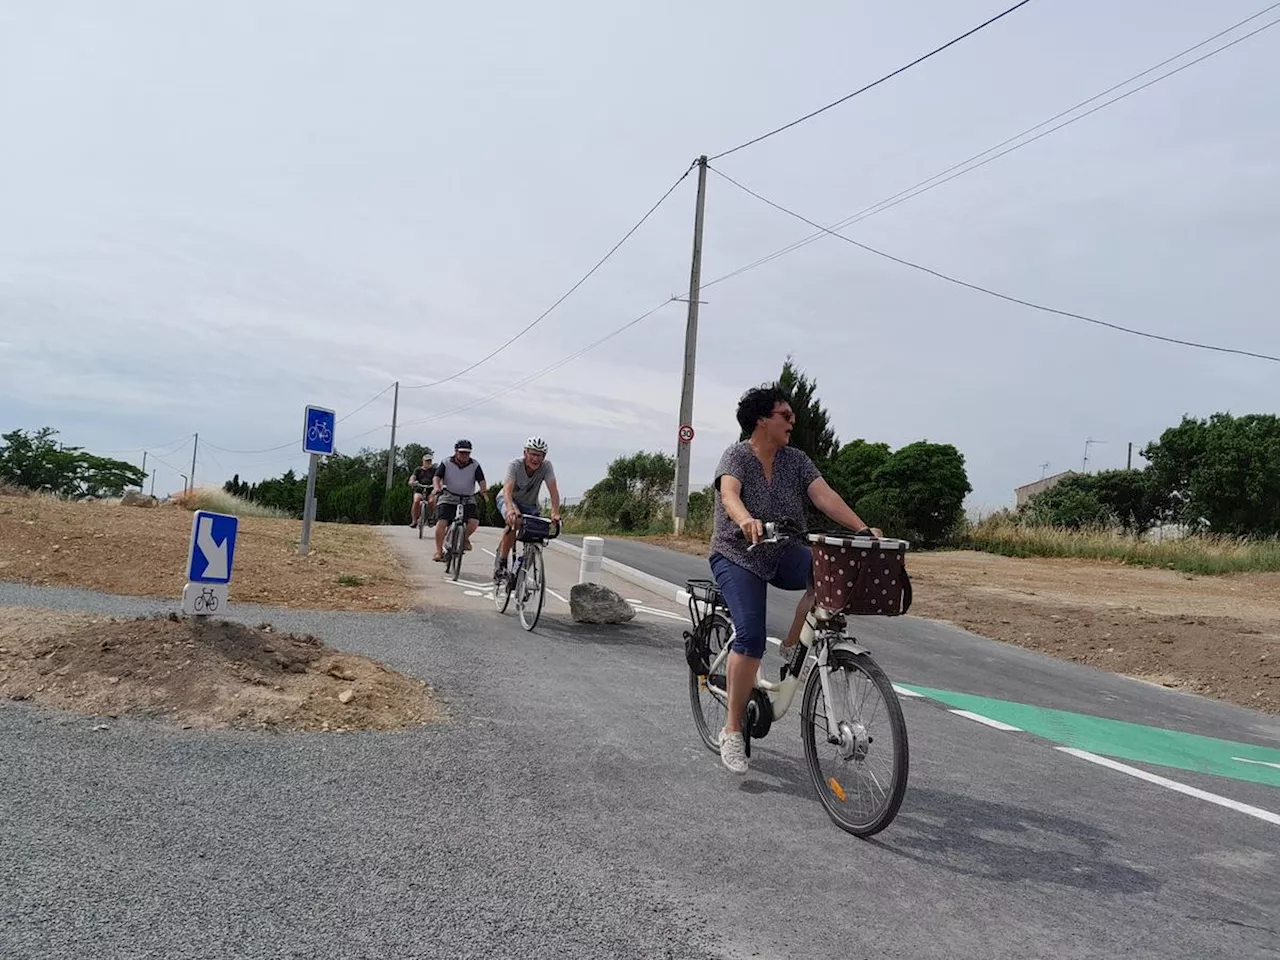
column 201, row 673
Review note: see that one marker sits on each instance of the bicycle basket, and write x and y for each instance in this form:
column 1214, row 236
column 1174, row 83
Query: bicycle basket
column 863, row 576
column 534, row 529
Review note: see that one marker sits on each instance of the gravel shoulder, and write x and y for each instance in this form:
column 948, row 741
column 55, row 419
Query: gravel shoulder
column 569, row 810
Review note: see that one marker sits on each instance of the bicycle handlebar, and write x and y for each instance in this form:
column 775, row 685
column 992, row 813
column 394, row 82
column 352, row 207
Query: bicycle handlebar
column 777, row 531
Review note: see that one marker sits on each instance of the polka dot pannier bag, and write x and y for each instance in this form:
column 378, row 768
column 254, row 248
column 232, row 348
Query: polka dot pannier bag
column 861, row 575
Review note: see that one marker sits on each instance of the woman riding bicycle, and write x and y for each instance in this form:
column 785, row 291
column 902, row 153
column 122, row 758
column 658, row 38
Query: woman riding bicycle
column 763, row 478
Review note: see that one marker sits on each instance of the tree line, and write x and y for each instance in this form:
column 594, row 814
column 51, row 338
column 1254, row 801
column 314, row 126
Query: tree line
column 1219, row 475
column 353, row 488
column 916, row 492
column 36, row 461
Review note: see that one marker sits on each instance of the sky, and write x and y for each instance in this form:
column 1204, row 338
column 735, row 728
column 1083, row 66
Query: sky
column 214, row 214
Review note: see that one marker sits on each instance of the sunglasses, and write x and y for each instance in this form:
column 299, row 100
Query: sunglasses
column 787, row 415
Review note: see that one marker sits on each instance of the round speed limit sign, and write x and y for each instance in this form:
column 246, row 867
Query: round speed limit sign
column 686, row 433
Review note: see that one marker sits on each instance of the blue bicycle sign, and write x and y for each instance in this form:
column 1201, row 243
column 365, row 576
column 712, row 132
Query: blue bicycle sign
column 317, row 431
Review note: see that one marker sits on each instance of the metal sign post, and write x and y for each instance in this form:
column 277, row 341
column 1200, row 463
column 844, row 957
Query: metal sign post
column 317, row 439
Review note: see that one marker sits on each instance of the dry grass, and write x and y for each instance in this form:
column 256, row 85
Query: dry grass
column 217, row 500
column 1196, row 554
column 139, row 551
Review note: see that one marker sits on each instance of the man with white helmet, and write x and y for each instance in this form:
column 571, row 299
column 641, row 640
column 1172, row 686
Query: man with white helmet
column 519, row 496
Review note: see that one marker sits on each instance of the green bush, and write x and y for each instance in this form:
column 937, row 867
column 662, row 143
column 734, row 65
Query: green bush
column 397, row 503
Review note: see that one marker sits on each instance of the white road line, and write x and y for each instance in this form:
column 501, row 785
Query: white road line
column 1199, row 794
column 904, row 692
column 1265, row 763
column 997, row 724
column 557, row 596
column 469, row 583
column 658, row 613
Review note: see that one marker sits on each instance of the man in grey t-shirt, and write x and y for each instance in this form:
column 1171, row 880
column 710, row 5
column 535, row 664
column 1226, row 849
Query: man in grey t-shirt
column 519, row 496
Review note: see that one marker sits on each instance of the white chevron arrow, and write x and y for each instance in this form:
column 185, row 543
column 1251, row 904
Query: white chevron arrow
column 1265, row 763
column 215, row 554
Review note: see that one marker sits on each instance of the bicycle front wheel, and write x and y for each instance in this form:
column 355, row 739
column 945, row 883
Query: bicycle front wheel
column 455, row 552
column 856, row 747
column 533, row 592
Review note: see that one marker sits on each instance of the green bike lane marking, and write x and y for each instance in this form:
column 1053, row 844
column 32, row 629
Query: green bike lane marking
column 1122, row 740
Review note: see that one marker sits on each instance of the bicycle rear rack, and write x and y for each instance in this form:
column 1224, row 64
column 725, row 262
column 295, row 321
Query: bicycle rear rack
column 704, row 599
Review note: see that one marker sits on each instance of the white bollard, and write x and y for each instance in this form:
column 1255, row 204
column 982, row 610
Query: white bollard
column 592, row 560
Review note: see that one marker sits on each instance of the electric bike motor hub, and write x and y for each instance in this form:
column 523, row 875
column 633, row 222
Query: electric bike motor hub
column 759, row 714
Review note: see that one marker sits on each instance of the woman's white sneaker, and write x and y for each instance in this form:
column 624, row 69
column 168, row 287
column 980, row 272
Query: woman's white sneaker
column 733, row 751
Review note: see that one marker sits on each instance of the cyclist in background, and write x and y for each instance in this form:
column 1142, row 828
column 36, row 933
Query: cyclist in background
column 519, row 496
column 421, row 479
column 455, row 484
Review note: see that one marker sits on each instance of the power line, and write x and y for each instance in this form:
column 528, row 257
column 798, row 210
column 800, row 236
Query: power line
column 994, row 293
column 380, row 393
column 292, row 443
column 875, row 83
column 544, row 371
column 897, row 199
column 546, row 313
column 929, row 183
column 154, row 446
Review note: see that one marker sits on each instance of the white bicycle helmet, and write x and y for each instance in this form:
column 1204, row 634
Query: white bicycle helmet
column 537, row 444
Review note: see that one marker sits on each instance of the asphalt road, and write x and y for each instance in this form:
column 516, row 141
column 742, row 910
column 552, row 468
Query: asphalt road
column 567, row 808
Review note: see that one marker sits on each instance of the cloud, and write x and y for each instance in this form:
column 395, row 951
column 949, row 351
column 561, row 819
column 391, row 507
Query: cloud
column 190, row 245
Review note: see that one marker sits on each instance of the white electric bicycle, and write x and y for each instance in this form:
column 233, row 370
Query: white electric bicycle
column 855, row 737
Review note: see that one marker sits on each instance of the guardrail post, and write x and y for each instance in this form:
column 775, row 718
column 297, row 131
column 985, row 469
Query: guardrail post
column 592, row 560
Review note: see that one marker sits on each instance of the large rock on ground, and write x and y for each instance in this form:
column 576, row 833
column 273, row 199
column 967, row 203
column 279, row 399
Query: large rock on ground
column 136, row 498
column 594, row 603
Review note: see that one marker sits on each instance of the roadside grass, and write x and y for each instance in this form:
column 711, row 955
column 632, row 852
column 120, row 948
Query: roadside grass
column 1195, row 554
column 1205, row 555
column 218, row 500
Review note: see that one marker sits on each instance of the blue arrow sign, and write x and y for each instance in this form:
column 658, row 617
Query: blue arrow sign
column 213, row 547
column 317, row 431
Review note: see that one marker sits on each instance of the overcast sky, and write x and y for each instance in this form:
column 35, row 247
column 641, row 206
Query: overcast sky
column 212, row 214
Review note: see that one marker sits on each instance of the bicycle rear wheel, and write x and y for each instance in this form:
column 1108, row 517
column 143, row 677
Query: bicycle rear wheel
column 532, row 593
column 709, row 710
column 861, row 777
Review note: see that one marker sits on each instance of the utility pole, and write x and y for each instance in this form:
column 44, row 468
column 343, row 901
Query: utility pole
column 680, row 508
column 144, row 469
column 1129, row 466
column 1044, row 469
column 194, row 447
column 391, row 454
column 153, row 483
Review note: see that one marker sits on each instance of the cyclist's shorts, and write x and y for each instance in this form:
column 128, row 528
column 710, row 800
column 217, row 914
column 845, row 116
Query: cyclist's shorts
column 526, row 509
column 447, row 511
column 745, row 594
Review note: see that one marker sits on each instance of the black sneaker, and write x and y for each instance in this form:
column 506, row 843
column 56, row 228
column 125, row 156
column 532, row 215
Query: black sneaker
column 499, row 570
